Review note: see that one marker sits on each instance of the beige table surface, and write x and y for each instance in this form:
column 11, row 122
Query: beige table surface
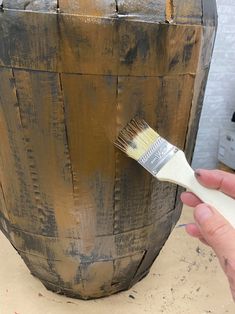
column 186, row 278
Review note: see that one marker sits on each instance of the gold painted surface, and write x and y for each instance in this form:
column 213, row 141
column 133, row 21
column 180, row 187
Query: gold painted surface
column 180, row 281
column 188, row 12
column 91, row 127
column 42, row 118
column 169, row 10
column 90, row 45
column 87, row 220
column 13, row 155
column 154, row 50
column 88, row 7
column 223, row 167
column 35, row 37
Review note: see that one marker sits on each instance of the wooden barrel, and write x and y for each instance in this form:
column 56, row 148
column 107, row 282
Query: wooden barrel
column 223, row 167
column 87, row 220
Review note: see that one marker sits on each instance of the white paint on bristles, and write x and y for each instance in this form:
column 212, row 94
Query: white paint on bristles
column 142, row 142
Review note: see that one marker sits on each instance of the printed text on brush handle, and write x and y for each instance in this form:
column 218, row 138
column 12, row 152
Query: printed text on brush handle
column 158, row 154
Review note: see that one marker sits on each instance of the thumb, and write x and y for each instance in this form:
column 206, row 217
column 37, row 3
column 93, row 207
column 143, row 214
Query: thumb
column 216, row 230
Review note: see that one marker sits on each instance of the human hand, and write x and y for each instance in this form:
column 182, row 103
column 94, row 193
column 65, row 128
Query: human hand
column 210, row 227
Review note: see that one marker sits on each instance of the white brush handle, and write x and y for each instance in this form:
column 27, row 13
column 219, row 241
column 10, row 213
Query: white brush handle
column 178, row 171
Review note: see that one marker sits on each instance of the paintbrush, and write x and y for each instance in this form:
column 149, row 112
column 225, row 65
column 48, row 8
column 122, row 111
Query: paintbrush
column 168, row 163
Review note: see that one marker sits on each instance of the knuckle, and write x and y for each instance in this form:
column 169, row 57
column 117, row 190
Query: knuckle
column 217, row 230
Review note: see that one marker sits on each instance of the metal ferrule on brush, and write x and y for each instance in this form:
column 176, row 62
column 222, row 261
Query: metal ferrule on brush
column 157, row 156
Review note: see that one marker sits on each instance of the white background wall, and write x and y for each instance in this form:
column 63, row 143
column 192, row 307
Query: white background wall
column 219, row 101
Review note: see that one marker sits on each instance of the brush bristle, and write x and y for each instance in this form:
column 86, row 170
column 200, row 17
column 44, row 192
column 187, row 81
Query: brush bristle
column 136, row 138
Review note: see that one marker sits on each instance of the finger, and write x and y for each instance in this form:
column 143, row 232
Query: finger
column 217, row 232
column 203, row 241
column 217, row 179
column 193, row 230
column 190, row 199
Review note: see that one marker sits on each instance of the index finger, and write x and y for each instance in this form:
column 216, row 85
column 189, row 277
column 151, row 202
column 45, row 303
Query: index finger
column 217, row 179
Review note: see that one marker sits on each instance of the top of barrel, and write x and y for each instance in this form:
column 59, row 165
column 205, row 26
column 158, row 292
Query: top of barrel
column 195, row 12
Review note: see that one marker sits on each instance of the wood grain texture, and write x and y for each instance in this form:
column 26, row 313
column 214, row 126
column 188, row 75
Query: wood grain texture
column 87, row 220
column 198, row 97
column 153, row 250
column 207, row 46
column 188, row 12
column 125, row 269
column 90, row 120
column 153, row 49
column 125, row 47
column 150, row 98
column 142, row 10
column 88, row 7
column 88, row 46
column 42, row 118
column 18, row 198
column 35, row 38
column 97, row 46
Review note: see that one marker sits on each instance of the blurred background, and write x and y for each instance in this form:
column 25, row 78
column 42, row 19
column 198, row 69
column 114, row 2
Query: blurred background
column 219, row 103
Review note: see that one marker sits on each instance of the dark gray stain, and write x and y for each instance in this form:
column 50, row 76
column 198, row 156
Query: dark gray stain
column 99, row 187
column 23, row 204
column 26, row 4
column 4, row 223
column 78, row 277
column 58, row 281
column 18, row 34
column 94, row 256
column 133, row 200
column 45, row 269
column 210, row 16
column 31, row 243
column 68, row 33
column 174, row 61
column 48, row 226
column 110, row 80
column 82, row 40
column 131, row 55
column 117, row 8
column 143, row 44
column 105, row 287
column 161, row 40
column 18, row 44
column 14, row 36
column 190, row 35
column 12, row 83
column 187, row 52
column 193, row 130
column 140, row 48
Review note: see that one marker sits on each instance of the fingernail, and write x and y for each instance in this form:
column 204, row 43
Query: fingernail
column 197, row 173
column 202, row 213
